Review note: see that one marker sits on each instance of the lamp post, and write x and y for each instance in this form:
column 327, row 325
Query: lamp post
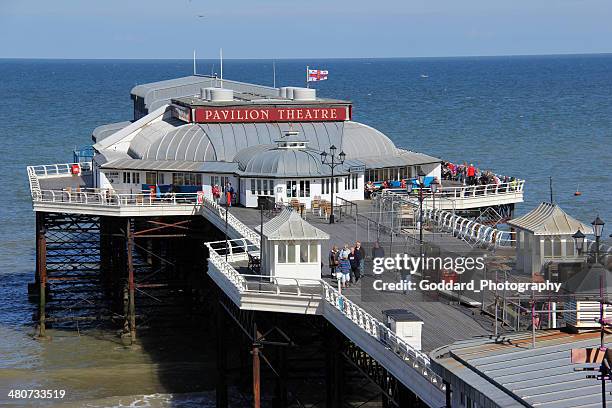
column 598, row 226
column 330, row 159
column 434, row 185
column 421, row 181
column 579, row 237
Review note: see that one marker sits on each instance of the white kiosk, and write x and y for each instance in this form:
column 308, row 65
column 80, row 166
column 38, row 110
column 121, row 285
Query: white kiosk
column 292, row 249
column 544, row 238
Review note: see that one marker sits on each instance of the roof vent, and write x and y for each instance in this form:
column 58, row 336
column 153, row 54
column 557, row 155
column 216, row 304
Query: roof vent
column 221, row 95
column 205, row 93
column 304, row 94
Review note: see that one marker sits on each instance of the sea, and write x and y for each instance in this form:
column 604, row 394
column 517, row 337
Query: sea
column 545, row 119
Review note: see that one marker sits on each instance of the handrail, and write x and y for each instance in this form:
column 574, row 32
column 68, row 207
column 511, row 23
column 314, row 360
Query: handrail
column 112, row 199
column 61, row 169
column 238, row 225
column 417, row 359
column 459, row 192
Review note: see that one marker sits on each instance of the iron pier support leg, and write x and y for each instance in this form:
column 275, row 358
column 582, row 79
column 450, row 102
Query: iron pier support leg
column 41, row 266
column 221, row 390
column 131, row 283
column 281, row 380
column 256, row 370
column 335, row 368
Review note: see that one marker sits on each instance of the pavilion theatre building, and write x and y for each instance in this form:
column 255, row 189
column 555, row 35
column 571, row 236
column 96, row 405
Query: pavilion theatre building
column 191, row 133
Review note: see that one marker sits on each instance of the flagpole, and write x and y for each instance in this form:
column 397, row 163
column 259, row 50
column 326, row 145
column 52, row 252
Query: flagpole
column 274, row 73
column 307, row 84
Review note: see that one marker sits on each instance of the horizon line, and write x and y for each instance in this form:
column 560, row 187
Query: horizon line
column 306, row 58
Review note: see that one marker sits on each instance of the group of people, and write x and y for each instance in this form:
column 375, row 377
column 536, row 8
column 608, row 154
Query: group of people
column 228, row 190
column 347, row 264
column 470, row 175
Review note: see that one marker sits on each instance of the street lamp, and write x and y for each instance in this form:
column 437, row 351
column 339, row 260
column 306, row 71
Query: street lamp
column 434, row 185
column 598, row 226
column 332, row 161
column 579, row 241
column 579, row 237
column 421, row 180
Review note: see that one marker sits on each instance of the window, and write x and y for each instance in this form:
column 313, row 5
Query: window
column 253, row 186
column 354, row 181
column 264, row 191
column 136, row 178
column 214, row 180
column 127, row 177
column 259, row 187
column 291, row 253
column 282, row 253
column 187, row 179
column 291, row 188
column 304, row 188
column 177, row 178
column 325, row 186
column 303, row 253
column 313, row 253
column 346, row 183
column 150, row 177
column 286, row 253
column 337, row 186
column 224, row 181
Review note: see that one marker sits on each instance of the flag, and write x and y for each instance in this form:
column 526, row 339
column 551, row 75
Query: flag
column 316, row 75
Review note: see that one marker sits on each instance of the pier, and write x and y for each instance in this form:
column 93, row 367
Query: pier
column 403, row 373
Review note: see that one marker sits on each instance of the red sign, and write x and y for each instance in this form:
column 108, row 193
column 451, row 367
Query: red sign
column 246, row 115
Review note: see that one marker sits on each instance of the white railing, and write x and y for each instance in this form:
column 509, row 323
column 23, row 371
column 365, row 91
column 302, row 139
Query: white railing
column 62, row 169
column 234, row 222
column 112, row 199
column 469, row 230
column 459, row 192
column 375, row 328
column 280, row 285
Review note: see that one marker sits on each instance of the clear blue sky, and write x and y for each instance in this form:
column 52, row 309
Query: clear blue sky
column 293, row 29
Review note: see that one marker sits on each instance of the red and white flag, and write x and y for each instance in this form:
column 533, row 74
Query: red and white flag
column 315, row 75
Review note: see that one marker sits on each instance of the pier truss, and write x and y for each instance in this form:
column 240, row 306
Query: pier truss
column 117, row 271
column 273, row 341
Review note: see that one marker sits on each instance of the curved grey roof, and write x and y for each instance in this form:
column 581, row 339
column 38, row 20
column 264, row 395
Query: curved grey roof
column 173, row 140
column 283, row 162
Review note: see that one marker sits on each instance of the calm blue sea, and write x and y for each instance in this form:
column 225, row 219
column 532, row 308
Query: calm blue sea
column 529, row 117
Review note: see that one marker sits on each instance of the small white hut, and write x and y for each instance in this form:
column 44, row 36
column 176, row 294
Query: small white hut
column 292, row 248
column 544, row 236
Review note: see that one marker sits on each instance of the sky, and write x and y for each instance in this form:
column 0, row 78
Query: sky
column 302, row 29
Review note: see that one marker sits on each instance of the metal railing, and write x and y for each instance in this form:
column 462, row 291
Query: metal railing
column 234, row 222
column 469, row 230
column 375, row 328
column 112, row 199
column 281, row 285
column 62, row 169
column 459, row 192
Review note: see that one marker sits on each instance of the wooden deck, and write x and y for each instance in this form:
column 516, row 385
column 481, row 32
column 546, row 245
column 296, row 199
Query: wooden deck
column 445, row 321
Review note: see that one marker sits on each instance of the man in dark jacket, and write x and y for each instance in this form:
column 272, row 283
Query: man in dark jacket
column 355, row 261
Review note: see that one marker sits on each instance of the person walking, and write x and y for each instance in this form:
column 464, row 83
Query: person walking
column 344, row 269
column 333, row 261
column 345, row 251
column 354, row 261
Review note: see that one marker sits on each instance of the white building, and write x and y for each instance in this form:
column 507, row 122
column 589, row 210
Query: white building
column 292, row 249
column 189, row 134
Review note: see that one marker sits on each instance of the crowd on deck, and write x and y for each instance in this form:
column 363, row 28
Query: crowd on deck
column 347, row 264
column 471, row 175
